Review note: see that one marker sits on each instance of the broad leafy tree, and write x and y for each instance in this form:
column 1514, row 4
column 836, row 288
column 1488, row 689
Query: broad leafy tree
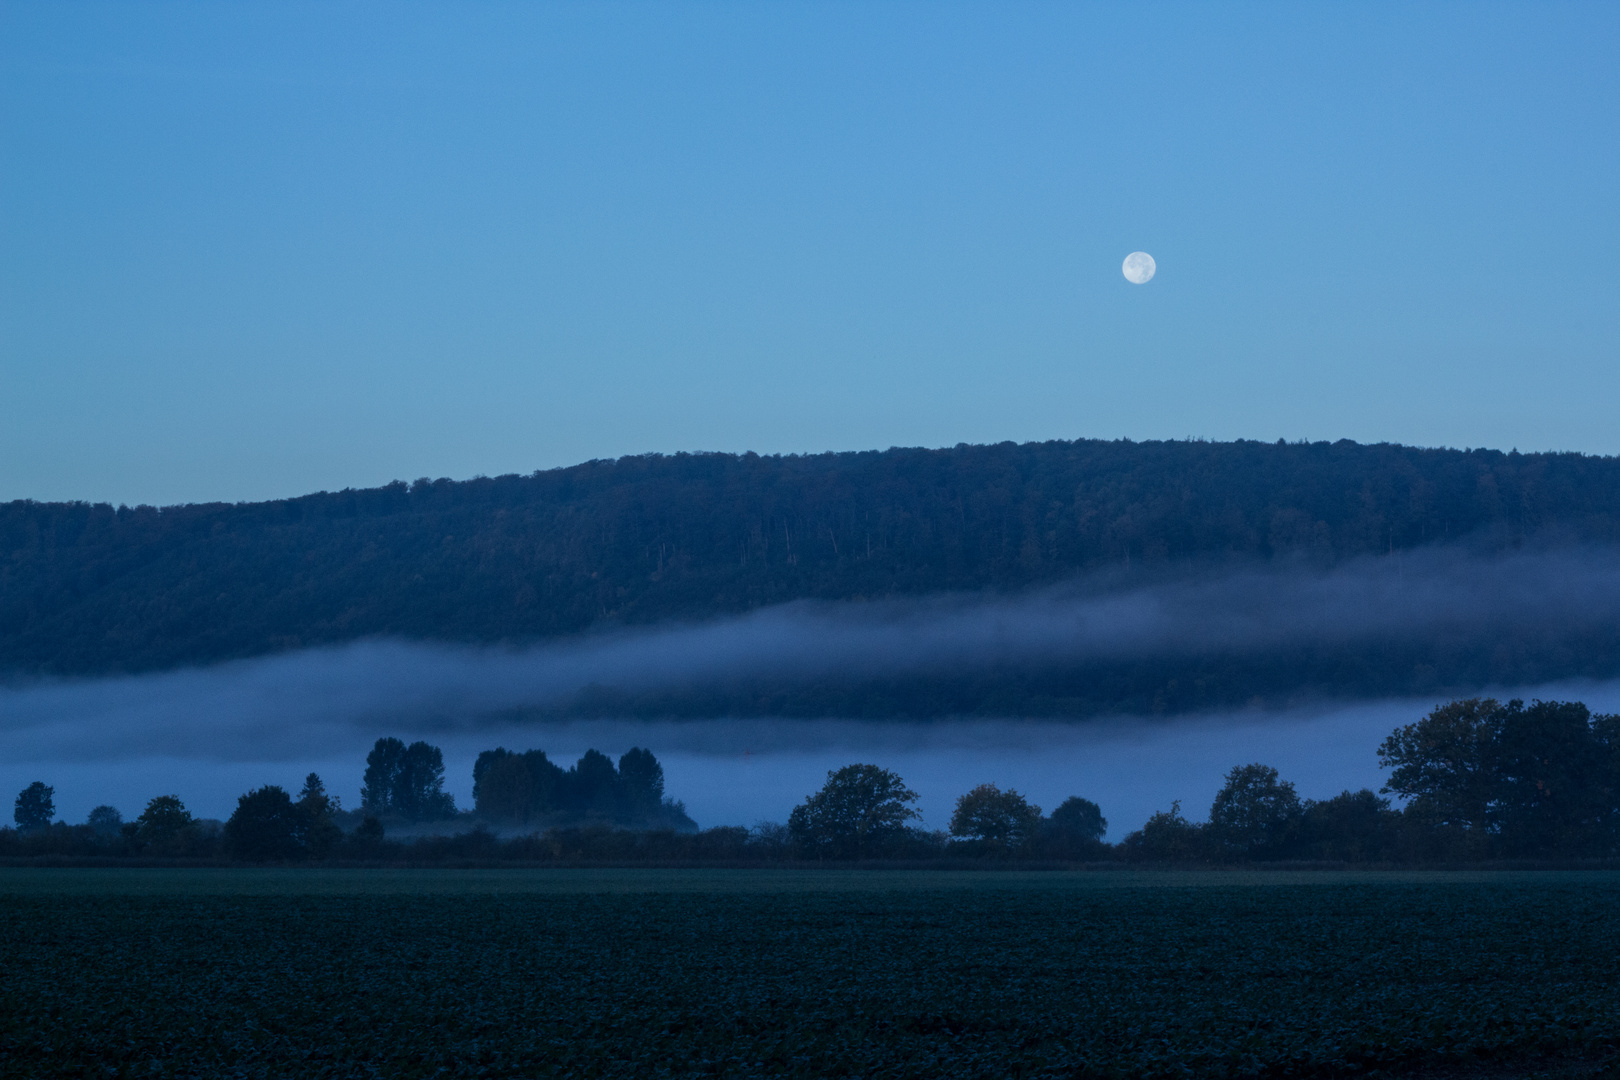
column 265, row 827
column 419, row 790
column 861, row 811
column 165, row 823
column 1555, row 781
column 1254, row 814
column 1001, row 822
column 1080, row 818
column 518, row 788
column 1444, row 765
column 1074, row 830
column 1353, row 826
column 506, row 790
column 1512, row 779
column 105, row 820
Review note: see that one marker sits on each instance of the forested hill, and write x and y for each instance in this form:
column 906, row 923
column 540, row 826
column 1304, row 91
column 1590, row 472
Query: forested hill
column 92, row 588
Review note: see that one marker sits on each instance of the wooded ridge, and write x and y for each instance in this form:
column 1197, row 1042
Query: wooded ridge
column 90, row 588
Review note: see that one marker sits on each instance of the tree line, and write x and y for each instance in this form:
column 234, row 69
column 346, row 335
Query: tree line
column 403, row 788
column 1479, row 780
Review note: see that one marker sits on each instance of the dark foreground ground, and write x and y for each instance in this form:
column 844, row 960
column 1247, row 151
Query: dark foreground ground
column 839, row 973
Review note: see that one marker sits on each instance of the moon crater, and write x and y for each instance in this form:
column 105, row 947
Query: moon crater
column 1139, row 268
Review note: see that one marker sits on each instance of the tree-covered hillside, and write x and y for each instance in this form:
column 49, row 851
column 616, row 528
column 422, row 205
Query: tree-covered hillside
column 92, row 588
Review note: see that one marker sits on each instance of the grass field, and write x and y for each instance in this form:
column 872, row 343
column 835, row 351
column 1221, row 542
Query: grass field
column 805, row 973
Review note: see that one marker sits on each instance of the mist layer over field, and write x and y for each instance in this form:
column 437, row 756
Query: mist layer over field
column 211, row 733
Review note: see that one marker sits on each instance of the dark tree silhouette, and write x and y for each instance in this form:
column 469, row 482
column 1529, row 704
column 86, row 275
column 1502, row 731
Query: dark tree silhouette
column 514, row 787
column 1079, row 818
column 1353, row 826
column 1000, row 822
column 380, row 785
column 1167, row 836
column 265, row 827
column 35, row 806
column 1558, row 789
column 593, row 784
column 105, row 820
column 1254, row 814
column 419, row 785
column 1074, row 831
column 406, row 780
column 861, row 811
column 641, row 780
column 317, row 831
column 1444, row 766
column 1483, row 777
column 165, row 823
column 527, row 788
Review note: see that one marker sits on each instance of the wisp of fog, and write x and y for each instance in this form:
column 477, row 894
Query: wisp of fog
column 287, row 705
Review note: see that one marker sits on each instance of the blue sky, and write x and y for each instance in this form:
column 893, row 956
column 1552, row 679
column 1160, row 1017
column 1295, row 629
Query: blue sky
column 256, row 250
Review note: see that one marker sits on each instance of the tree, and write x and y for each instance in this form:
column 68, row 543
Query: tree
column 1444, row 765
column 1167, row 836
column 165, row 823
column 1254, row 814
column 407, row 780
column 381, row 783
column 419, row 788
column 265, row 826
column 516, row 787
column 1353, row 826
column 1074, row 830
column 641, row 780
column 1606, row 732
column 506, row 791
column 35, row 807
column 1555, row 784
column 861, row 811
column 1002, row 822
column 593, row 785
column 1525, row 781
column 486, row 760
column 105, row 820
column 317, row 831
column 512, row 787
column 1079, row 817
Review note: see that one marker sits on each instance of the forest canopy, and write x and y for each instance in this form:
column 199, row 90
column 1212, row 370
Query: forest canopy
column 91, row 588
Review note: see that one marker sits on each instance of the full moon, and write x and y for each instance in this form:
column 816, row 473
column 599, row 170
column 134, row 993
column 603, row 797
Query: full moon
column 1139, row 268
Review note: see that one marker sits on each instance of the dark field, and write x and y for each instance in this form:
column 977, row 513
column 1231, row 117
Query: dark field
column 755, row 973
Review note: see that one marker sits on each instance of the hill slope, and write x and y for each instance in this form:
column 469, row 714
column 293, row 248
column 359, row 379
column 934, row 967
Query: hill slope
column 87, row 589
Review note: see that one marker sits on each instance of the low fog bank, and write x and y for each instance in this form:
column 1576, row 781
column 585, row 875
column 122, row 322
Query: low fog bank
column 284, row 706
column 223, row 729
